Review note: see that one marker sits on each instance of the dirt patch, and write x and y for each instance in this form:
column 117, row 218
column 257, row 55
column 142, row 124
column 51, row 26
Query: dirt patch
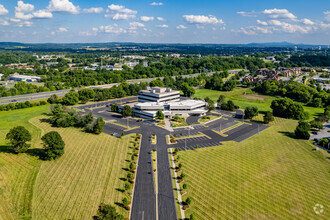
column 255, row 97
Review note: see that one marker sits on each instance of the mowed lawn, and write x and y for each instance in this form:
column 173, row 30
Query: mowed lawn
column 244, row 97
column 268, row 176
column 71, row 187
column 18, row 172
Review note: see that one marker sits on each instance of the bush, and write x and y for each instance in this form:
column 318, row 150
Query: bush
column 54, row 145
column 286, row 108
column 302, row 130
column 18, row 136
column 106, row 212
column 250, row 112
column 268, row 117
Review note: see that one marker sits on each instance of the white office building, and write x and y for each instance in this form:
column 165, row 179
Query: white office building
column 168, row 101
column 157, row 94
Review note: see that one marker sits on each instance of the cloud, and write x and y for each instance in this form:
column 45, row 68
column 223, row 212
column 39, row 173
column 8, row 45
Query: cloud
column 3, row 22
column 119, row 16
column 136, row 24
column 162, row 26
column 113, row 29
column 3, row 10
column 93, row 10
column 307, row 21
column 146, row 18
column 262, row 22
column 327, row 15
column 156, row 3
column 247, row 14
column 278, row 13
column 120, row 12
column 14, row 20
column 181, row 27
column 62, row 29
column 160, row 19
column 42, row 14
column 254, row 30
column 63, row 6
column 25, row 24
column 202, row 19
column 21, row 9
column 270, row 13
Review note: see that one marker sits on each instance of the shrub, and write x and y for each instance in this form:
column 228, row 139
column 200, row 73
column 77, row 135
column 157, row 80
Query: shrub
column 302, row 130
column 54, row 145
column 268, row 117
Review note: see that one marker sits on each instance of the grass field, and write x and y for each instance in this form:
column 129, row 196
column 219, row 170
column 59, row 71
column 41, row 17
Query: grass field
column 69, row 188
column 268, row 176
column 250, row 99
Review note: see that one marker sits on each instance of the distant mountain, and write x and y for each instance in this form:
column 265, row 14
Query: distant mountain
column 281, row 44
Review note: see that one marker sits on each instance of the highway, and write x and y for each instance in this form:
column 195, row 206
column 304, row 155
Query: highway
column 46, row 95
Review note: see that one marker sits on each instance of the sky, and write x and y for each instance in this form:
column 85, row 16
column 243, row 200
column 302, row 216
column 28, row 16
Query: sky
column 165, row 21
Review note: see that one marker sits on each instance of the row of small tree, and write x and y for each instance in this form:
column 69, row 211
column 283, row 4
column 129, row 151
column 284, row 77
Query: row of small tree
column 303, row 129
column 178, row 168
column 21, row 105
column 129, row 180
column 62, row 116
column 52, row 141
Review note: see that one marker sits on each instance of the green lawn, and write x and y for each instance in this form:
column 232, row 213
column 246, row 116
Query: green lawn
column 251, row 98
column 268, row 176
column 71, row 187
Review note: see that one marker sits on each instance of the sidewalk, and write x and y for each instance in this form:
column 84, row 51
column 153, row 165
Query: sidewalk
column 168, row 124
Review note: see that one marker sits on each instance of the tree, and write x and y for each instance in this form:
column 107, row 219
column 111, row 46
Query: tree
column 187, row 90
column 126, row 111
column 191, row 217
column 250, row 112
column 316, row 124
column 210, row 104
column 229, row 85
column 188, row 201
column 286, row 108
column 18, row 136
column 268, row 117
column 56, row 110
column 98, row 126
column 125, row 201
column 53, row 99
column 302, row 130
column 71, row 98
column 114, row 107
column 87, row 93
column 221, row 100
column 184, row 186
column 54, row 145
column 107, row 212
column 160, row 115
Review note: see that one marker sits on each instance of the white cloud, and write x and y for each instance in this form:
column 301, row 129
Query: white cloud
column 135, row 25
column 113, row 29
column 247, row 14
column 156, row 3
column 290, row 28
column 42, row 14
column 14, row 20
column 270, row 13
column 62, row 29
column 25, row 24
column 93, row 10
column 262, row 22
column 278, row 13
column 254, row 30
column 181, row 27
column 3, row 22
column 307, row 21
column 21, row 9
column 146, row 18
column 327, row 15
column 119, row 16
column 160, row 19
column 63, row 6
column 162, row 26
column 52, row 33
column 3, row 10
column 120, row 12
column 121, row 9
column 202, row 19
